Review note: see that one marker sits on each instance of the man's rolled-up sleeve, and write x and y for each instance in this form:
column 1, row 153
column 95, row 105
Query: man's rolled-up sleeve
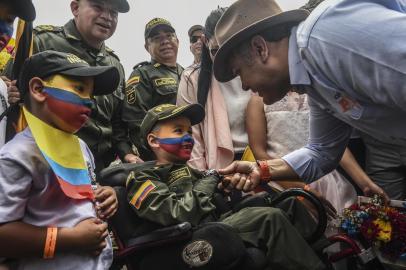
column 327, row 141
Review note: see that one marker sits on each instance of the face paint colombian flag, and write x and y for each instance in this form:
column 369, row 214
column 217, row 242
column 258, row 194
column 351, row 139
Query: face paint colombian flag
column 63, row 153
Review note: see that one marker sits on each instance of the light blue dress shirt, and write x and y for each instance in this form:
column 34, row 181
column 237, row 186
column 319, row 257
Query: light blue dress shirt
column 349, row 56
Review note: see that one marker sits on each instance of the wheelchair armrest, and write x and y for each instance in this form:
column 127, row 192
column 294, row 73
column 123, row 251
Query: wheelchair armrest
column 168, row 234
column 116, row 175
column 172, row 234
column 321, row 211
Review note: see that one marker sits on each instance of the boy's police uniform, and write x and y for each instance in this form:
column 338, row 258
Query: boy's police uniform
column 149, row 85
column 173, row 193
column 104, row 133
column 29, row 190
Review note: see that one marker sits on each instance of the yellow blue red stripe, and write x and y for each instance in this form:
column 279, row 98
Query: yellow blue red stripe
column 142, row 193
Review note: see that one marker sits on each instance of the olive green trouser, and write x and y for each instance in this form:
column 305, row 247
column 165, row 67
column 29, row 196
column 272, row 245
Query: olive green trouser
column 270, row 229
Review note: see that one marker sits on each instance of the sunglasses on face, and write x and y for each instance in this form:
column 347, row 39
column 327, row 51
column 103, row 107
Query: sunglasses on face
column 194, row 39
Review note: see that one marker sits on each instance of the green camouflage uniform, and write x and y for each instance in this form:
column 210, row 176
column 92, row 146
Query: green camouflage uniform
column 149, row 85
column 104, row 133
column 174, row 193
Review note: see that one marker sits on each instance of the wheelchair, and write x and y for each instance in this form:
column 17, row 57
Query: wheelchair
column 183, row 246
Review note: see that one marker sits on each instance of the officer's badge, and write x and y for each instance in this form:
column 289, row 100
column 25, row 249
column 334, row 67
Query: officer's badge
column 130, row 93
column 142, row 193
column 197, row 253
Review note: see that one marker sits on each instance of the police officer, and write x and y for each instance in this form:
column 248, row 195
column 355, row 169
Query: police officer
column 94, row 22
column 152, row 83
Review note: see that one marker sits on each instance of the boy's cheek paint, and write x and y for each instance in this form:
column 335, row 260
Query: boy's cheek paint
column 71, row 116
column 180, row 147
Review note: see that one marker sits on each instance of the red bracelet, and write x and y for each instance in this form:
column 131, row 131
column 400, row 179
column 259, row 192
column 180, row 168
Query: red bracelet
column 264, row 168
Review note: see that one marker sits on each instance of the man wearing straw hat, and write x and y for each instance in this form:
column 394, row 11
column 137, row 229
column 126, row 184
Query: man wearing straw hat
column 340, row 56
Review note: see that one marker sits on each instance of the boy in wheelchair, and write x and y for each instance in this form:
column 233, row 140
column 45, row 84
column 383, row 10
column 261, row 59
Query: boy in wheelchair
column 171, row 192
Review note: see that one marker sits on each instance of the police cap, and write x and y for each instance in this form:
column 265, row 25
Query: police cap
column 47, row 63
column 194, row 112
column 157, row 23
column 121, row 6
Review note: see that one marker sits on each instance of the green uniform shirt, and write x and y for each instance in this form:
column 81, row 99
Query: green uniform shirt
column 149, row 85
column 170, row 194
column 104, row 133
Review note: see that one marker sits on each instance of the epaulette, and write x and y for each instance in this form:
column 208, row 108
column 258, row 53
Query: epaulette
column 48, row 28
column 141, row 64
column 110, row 51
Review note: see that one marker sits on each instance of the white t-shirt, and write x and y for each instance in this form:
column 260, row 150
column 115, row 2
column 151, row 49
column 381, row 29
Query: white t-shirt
column 3, row 107
column 236, row 103
column 29, row 192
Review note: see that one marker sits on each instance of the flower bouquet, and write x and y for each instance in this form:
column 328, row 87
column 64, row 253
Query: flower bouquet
column 381, row 226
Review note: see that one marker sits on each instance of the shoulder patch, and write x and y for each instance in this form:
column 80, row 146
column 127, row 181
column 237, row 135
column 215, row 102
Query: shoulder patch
column 141, row 64
column 133, row 80
column 47, row 28
column 179, row 174
column 157, row 65
column 142, row 193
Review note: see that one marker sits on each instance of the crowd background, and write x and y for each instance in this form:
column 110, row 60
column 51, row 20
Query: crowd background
column 128, row 40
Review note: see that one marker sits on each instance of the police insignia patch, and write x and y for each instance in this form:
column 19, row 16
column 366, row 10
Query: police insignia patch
column 133, row 80
column 130, row 93
column 197, row 253
column 142, row 193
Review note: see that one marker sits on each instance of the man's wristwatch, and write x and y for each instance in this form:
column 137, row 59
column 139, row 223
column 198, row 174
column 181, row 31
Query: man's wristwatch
column 212, row 172
column 264, row 170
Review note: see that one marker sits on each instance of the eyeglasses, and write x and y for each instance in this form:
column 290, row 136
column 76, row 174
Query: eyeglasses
column 160, row 38
column 194, row 39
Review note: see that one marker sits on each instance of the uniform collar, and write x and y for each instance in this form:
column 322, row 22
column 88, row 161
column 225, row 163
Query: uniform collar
column 177, row 70
column 71, row 32
column 297, row 71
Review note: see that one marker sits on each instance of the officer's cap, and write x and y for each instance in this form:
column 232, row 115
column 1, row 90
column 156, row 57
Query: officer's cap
column 23, row 9
column 157, row 23
column 194, row 112
column 47, row 63
column 121, row 6
column 193, row 29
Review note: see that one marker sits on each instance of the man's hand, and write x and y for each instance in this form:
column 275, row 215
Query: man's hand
column 88, row 236
column 131, row 158
column 107, row 202
column 12, row 92
column 241, row 175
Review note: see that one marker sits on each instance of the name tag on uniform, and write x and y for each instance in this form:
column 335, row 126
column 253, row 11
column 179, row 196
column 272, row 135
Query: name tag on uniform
column 179, row 174
column 165, row 81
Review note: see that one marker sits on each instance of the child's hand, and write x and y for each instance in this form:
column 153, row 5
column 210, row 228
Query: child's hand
column 106, row 200
column 90, row 235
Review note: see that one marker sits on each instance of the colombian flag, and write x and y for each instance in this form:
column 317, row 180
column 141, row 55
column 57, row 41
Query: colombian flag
column 63, row 153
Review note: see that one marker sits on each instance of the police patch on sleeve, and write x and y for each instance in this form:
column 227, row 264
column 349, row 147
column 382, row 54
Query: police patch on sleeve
column 133, row 80
column 142, row 193
column 130, row 95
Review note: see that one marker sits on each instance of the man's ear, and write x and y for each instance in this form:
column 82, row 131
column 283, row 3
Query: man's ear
column 74, row 7
column 260, row 46
column 152, row 141
column 146, row 46
column 36, row 87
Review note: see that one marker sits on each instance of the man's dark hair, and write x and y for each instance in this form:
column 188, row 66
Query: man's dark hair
column 206, row 65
